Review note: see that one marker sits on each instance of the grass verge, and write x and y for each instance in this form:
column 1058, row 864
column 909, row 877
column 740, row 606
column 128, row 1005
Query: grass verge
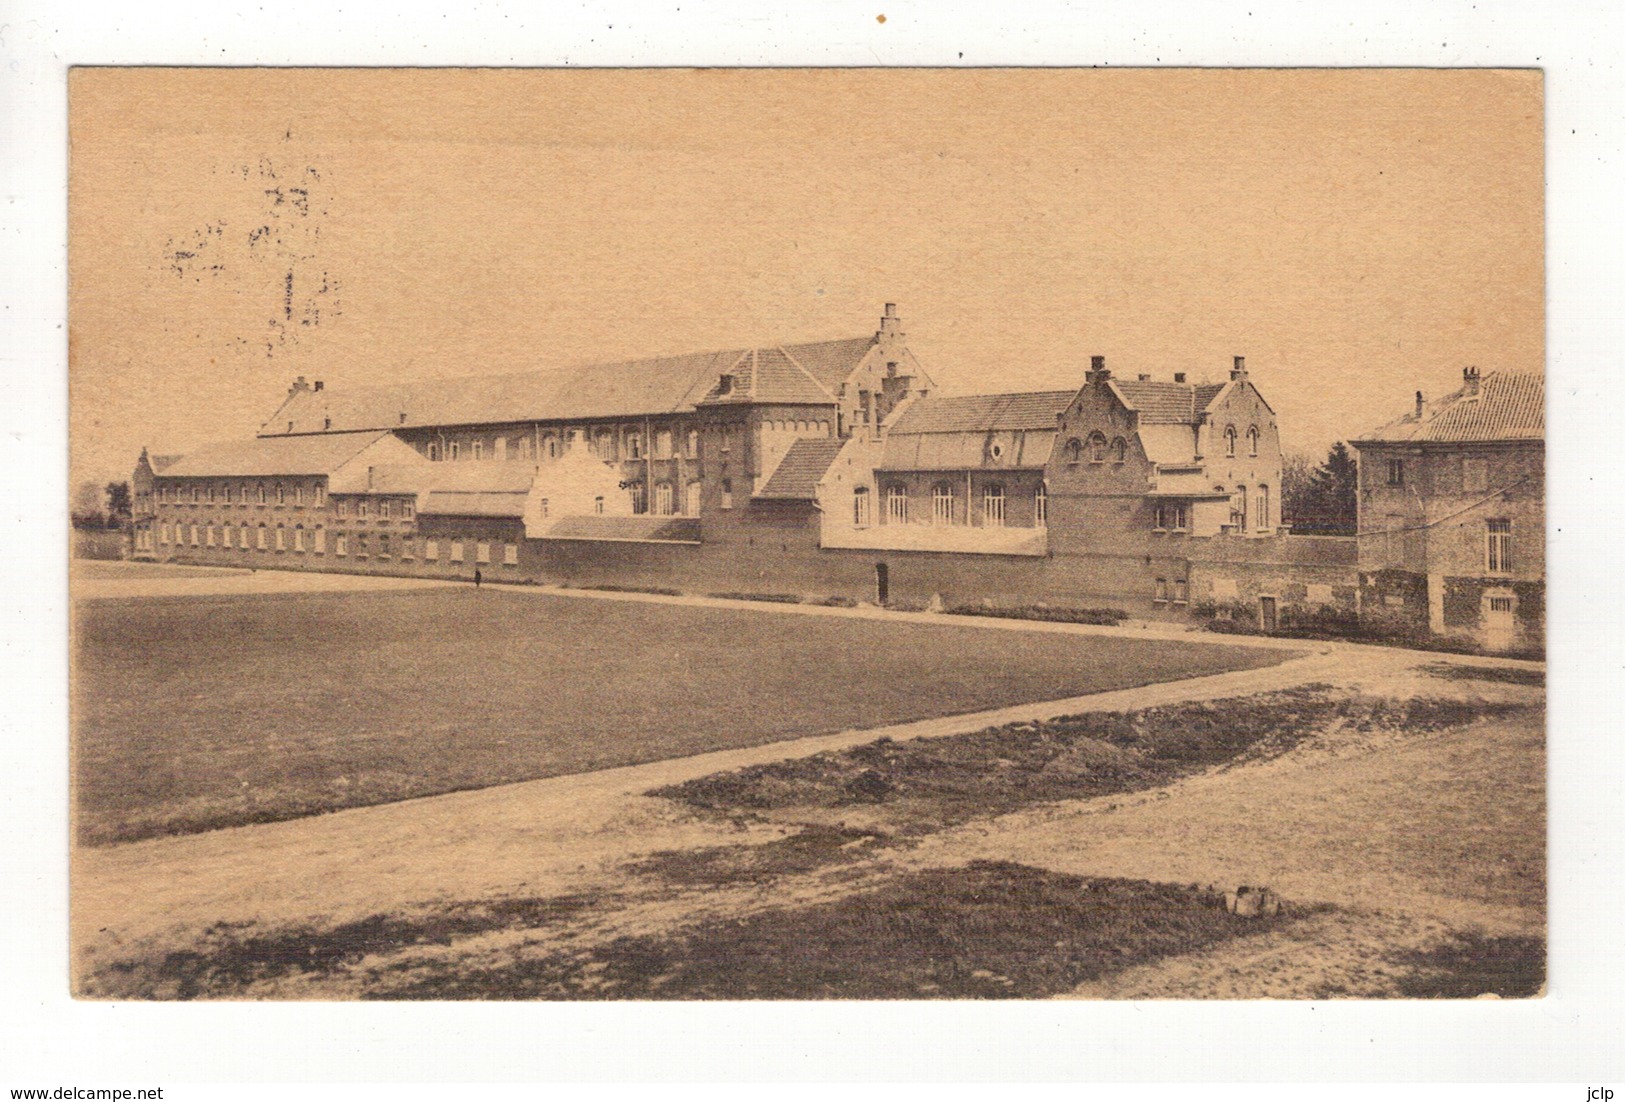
column 1472, row 965
column 988, row 930
column 931, row 782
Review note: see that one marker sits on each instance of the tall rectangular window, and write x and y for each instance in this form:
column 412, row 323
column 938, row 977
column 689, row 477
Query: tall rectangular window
column 456, row 553
column 431, row 550
column 383, row 510
column 1041, row 508
column 1162, row 589
column 482, row 552
column 1498, row 541
column 321, row 541
column 341, row 545
column 1396, row 472
column 993, row 506
column 510, row 554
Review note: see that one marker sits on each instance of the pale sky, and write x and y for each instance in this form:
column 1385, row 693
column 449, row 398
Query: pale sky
column 1358, row 235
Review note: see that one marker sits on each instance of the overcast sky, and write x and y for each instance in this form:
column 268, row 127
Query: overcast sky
column 1358, row 235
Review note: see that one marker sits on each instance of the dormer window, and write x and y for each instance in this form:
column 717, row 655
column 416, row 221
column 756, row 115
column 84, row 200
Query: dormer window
column 725, row 384
column 1074, row 451
column 1119, row 450
column 1097, row 448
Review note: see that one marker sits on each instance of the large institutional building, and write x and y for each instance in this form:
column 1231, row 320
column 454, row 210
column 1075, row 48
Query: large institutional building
column 832, row 469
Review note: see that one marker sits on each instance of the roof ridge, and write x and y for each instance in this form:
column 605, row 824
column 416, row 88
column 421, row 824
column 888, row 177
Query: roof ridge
column 797, row 364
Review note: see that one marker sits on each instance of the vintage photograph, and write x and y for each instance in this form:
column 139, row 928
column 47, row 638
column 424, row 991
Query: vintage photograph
column 872, row 534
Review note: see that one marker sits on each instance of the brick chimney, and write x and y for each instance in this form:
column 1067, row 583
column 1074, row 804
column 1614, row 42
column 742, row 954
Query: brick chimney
column 299, row 387
column 1469, row 382
column 316, row 386
column 1179, row 376
column 1238, row 368
column 1097, row 370
column 1420, row 404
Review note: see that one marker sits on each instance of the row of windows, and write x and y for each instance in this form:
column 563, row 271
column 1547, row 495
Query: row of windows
column 1230, row 440
column 1475, row 474
column 345, row 544
column 551, row 446
column 944, row 507
column 245, row 494
column 384, row 508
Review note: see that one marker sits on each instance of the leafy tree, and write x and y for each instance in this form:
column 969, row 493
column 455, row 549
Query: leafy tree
column 118, row 504
column 1321, row 501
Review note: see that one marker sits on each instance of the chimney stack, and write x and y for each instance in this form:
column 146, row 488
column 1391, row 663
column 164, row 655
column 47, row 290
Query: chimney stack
column 1469, row 381
column 1419, row 405
column 1144, row 377
column 369, row 477
column 1238, row 369
column 1097, row 370
column 299, row 386
column 316, row 386
column 1179, row 376
column 891, row 327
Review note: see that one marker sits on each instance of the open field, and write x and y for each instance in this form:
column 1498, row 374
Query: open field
column 1399, row 813
column 201, row 712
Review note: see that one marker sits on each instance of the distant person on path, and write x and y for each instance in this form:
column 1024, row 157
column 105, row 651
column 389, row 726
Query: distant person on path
column 476, row 577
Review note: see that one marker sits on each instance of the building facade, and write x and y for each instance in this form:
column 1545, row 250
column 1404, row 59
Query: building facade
column 1452, row 512
column 833, row 469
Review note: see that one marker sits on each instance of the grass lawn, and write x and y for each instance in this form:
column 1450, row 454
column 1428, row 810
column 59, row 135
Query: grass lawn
column 196, row 713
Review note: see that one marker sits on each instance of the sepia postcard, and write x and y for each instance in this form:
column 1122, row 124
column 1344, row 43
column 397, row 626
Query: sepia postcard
column 868, row 534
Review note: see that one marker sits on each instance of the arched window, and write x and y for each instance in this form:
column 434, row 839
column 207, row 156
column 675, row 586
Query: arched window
column 1097, row 447
column 664, row 503
column 242, row 537
column 1074, row 450
column 1252, row 440
column 663, row 444
column 454, row 450
column 896, row 505
column 693, row 445
column 299, row 537
column 860, row 507
column 259, row 538
column 634, row 445
column 260, row 495
column 1263, row 510
column 479, row 449
column 691, row 499
column 434, row 452
column 1119, row 450
column 1230, row 440
column 1041, row 507
column 598, row 505
column 606, row 444
column 281, row 538
column 727, row 493
column 993, row 505
column 640, row 498
column 942, row 503
column 281, row 494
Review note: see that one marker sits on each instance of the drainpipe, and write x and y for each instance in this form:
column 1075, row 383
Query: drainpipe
column 648, row 468
column 968, row 500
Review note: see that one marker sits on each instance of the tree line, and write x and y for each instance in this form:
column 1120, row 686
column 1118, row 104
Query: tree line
column 1321, row 500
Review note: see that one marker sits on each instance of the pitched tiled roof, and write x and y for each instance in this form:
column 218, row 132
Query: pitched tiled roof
column 296, row 455
column 459, row 503
column 1161, row 402
column 801, row 468
column 162, row 463
column 985, row 412
column 665, row 529
column 1507, row 406
column 1205, row 393
column 791, row 374
column 633, row 388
